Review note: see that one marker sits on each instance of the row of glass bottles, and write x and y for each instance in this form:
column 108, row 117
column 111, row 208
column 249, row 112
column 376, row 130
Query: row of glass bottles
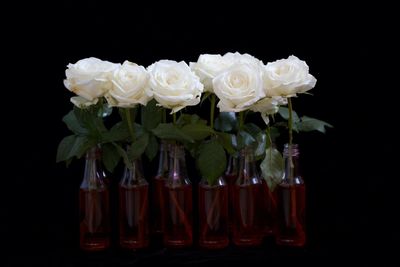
column 240, row 203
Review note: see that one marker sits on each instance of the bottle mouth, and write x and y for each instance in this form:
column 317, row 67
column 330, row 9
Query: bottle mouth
column 294, row 149
column 93, row 153
column 176, row 151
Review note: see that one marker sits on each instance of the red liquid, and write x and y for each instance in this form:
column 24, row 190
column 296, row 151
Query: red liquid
column 248, row 220
column 213, row 214
column 178, row 216
column 291, row 215
column 94, row 220
column 158, row 206
column 269, row 210
column 133, row 217
column 230, row 180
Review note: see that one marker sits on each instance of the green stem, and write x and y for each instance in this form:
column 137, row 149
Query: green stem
column 130, row 124
column 268, row 131
column 212, row 109
column 164, row 115
column 241, row 120
column 290, row 125
column 174, row 118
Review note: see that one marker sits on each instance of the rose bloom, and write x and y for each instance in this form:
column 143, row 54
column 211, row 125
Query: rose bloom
column 288, row 77
column 208, row 67
column 238, row 87
column 130, row 86
column 174, row 85
column 89, row 78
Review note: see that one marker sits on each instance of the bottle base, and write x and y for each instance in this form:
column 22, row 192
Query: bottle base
column 133, row 244
column 95, row 246
column 213, row 244
column 177, row 243
column 290, row 242
column 247, row 242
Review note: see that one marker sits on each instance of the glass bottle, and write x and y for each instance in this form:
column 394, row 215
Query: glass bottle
column 133, row 208
column 178, row 202
column 94, row 210
column 290, row 228
column 269, row 214
column 213, row 214
column 158, row 187
column 248, row 197
column 230, row 176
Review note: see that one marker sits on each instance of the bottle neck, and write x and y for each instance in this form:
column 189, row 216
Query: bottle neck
column 232, row 169
column 134, row 175
column 177, row 164
column 247, row 165
column 291, row 158
column 163, row 160
column 94, row 175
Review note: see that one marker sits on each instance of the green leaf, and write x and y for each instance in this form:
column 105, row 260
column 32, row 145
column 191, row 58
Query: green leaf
column 110, row 156
column 211, row 160
column 308, row 124
column 123, row 154
column 152, row 147
column 73, row 146
column 228, row 141
column 73, row 124
column 284, row 112
column 137, row 148
column 170, row 131
column 261, row 141
column 89, row 120
column 104, row 110
column 151, row 115
column 252, row 129
column 197, row 131
column 119, row 132
column 272, row 167
column 244, row 139
column 226, row 122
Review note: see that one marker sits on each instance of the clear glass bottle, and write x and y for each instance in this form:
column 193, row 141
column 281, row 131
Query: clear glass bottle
column 133, row 208
column 158, row 189
column 178, row 204
column 230, row 176
column 213, row 214
column 290, row 228
column 94, row 210
column 248, row 197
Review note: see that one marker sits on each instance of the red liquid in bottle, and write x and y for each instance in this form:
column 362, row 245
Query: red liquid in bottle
column 230, row 180
column 269, row 215
column 94, row 219
column 248, row 210
column 178, row 216
column 158, row 207
column 133, row 216
column 213, row 215
column 291, row 215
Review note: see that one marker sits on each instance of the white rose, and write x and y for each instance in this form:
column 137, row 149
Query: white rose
column 130, row 86
column 174, row 85
column 89, row 77
column 242, row 58
column 238, row 87
column 287, row 77
column 208, row 67
column 268, row 106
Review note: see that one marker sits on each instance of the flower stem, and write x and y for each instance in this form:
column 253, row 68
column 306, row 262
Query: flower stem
column 130, row 124
column 290, row 125
column 268, row 131
column 212, row 109
column 241, row 120
column 174, row 118
column 164, row 115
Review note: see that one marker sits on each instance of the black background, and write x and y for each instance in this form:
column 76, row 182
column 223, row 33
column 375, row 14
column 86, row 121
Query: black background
column 351, row 185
